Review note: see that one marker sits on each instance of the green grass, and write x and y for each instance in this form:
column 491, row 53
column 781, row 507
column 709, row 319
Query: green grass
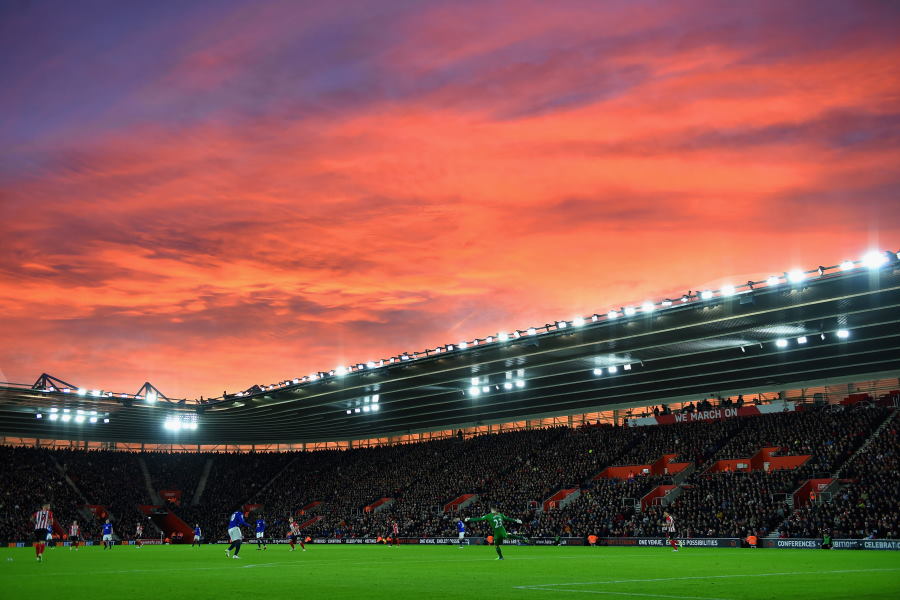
column 528, row 573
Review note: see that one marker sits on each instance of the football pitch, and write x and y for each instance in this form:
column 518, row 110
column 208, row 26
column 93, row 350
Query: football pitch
column 528, row 573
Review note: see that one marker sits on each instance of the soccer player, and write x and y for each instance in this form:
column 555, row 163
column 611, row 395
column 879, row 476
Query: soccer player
column 395, row 530
column 261, row 534
column 197, row 535
column 461, row 530
column 42, row 520
column 669, row 528
column 496, row 520
column 138, row 536
column 234, row 533
column 107, row 535
column 74, row 532
column 50, row 537
column 294, row 535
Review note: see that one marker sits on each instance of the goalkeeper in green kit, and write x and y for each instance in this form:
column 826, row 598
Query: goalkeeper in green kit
column 496, row 520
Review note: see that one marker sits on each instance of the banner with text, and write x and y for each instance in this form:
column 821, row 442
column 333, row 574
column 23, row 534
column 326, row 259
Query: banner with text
column 714, row 414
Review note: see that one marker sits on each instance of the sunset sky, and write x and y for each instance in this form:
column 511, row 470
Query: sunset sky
column 210, row 195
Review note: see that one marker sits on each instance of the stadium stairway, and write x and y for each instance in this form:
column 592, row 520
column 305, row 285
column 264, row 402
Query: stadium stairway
column 460, row 503
column 867, row 443
column 167, row 522
column 201, row 485
column 311, row 522
column 148, row 481
column 379, row 505
column 661, row 492
column 560, row 499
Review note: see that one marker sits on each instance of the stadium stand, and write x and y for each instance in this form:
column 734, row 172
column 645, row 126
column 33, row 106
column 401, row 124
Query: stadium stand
column 517, row 471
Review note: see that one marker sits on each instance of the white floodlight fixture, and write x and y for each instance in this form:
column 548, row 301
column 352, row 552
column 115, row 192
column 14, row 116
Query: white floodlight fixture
column 843, row 334
column 96, row 393
column 295, row 380
column 612, row 315
column 356, row 410
column 376, row 407
column 781, row 343
column 375, row 398
column 54, row 417
column 485, row 388
column 598, row 371
column 520, row 383
column 801, row 339
column 578, row 321
column 627, row 367
column 370, row 364
column 66, row 418
column 796, row 276
column 667, row 303
column 474, row 390
column 847, row 265
column 706, row 295
column 463, row 345
column 648, row 307
column 561, row 324
column 79, row 419
column 476, row 381
column 685, row 299
column 503, row 336
column 613, row 369
column 874, row 259
column 772, row 280
column 629, row 311
column 340, row 371
column 366, row 408
column 507, row 385
column 82, row 392
column 531, row 331
column 53, row 410
column 727, row 290
column 66, row 410
column 93, row 419
column 106, row 420
column 349, row 411
column 39, row 416
column 151, row 396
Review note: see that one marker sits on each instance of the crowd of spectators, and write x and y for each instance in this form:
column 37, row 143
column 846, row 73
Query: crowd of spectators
column 514, row 471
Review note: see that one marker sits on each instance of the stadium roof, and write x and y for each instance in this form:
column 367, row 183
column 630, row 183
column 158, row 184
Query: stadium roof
column 839, row 326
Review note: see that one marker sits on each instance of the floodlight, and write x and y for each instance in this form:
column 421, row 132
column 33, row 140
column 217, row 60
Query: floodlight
column 39, row 416
column 801, row 339
column 376, row 407
column 96, row 393
column 502, row 336
column 796, row 276
column 463, row 345
column 727, row 290
column 54, row 417
column 356, row 410
column 781, row 343
column 706, row 295
column 151, row 396
column 475, row 381
column 561, row 324
column 106, row 420
column 578, row 321
column 612, row 314
column 370, row 365
column 507, row 386
column 520, row 383
column 531, row 331
column 340, row 371
column 627, row 367
column 66, row 418
column 365, row 408
column 846, row 265
column 667, row 303
column 82, row 392
column 79, row 419
column 648, row 307
column 874, row 259
column 629, row 311
column 474, row 390
column 53, row 410
column 375, row 398
column 93, row 419
column 772, row 280
column 485, row 388
column 843, row 334
column 613, row 369
column 598, row 371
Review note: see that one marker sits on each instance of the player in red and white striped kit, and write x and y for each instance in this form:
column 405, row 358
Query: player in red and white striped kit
column 669, row 529
column 74, row 534
column 138, row 536
column 294, row 535
column 42, row 519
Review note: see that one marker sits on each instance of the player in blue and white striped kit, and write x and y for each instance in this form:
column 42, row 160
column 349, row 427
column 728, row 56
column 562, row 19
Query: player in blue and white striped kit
column 261, row 534
column 461, row 530
column 234, row 533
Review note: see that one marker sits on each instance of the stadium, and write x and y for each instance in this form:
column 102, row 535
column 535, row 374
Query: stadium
column 486, row 299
